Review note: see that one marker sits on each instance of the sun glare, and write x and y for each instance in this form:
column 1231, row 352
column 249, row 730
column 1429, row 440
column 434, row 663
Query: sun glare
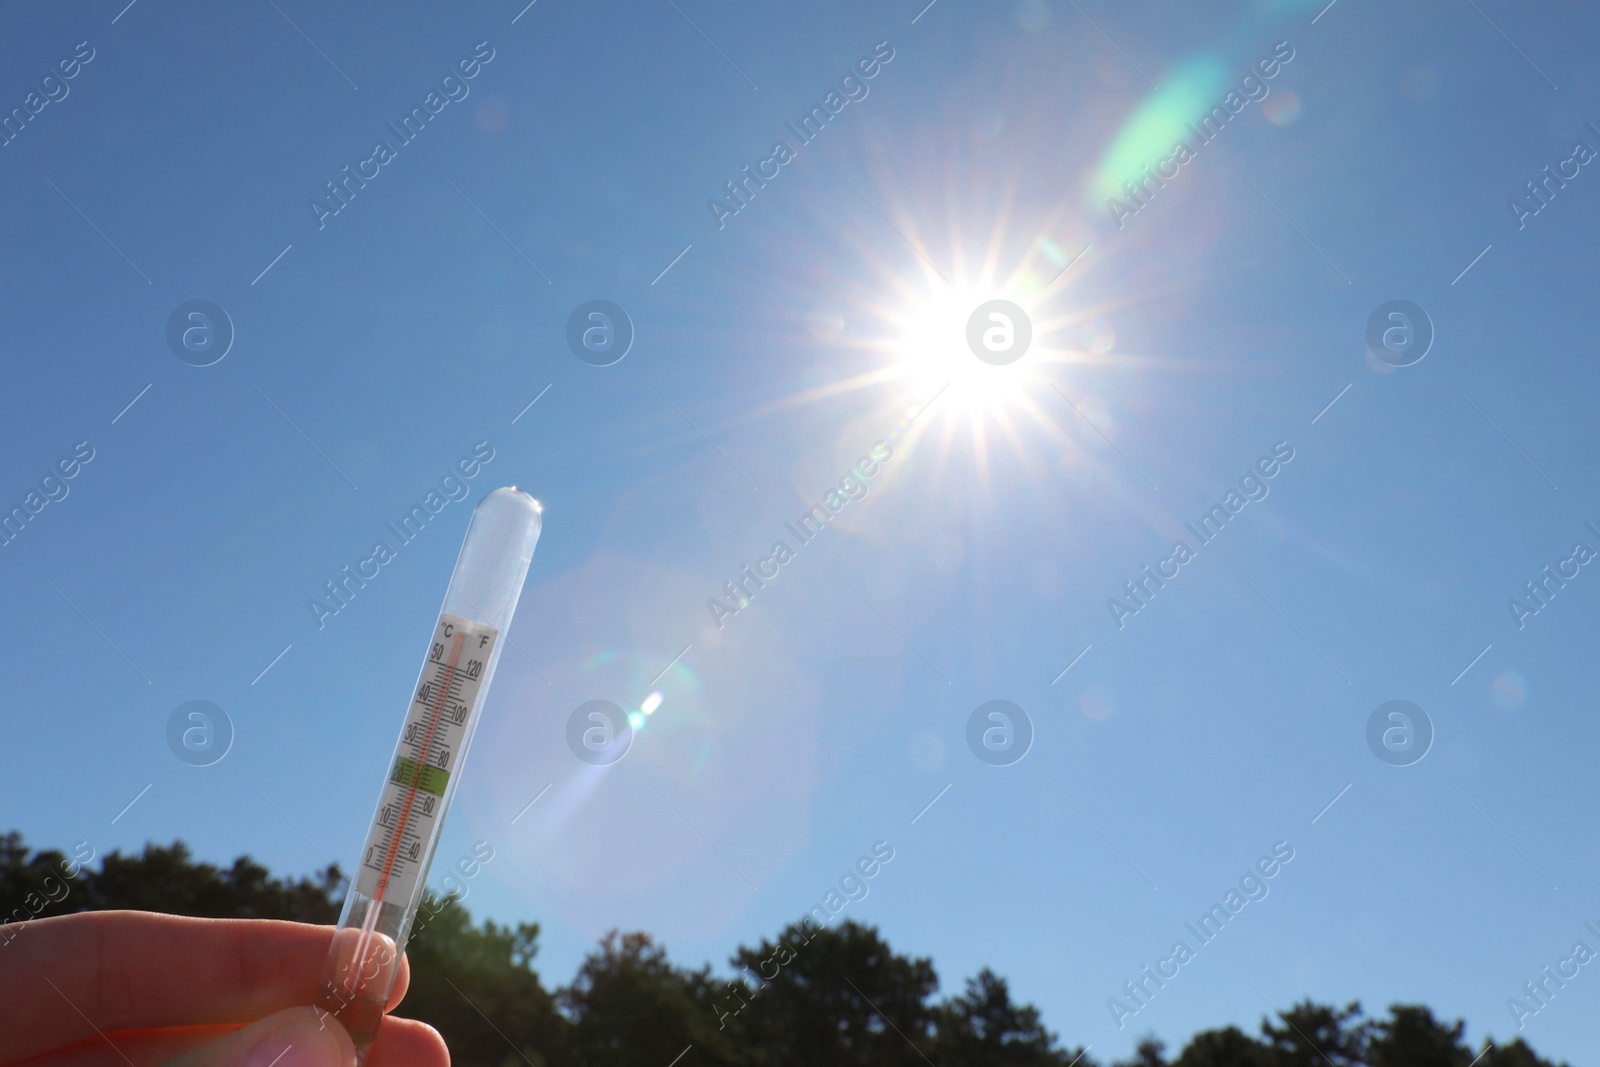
column 979, row 334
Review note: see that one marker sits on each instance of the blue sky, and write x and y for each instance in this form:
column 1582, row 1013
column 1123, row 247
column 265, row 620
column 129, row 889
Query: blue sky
column 1174, row 352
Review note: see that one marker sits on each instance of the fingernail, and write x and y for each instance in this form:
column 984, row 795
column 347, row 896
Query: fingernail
column 302, row 1041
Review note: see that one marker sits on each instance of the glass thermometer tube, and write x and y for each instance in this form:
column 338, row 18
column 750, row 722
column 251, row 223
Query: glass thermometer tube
column 387, row 888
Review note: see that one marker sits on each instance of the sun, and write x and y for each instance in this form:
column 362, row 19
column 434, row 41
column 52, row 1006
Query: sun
column 930, row 341
column 988, row 340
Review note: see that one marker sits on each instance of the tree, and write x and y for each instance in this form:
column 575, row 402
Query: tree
column 1412, row 1037
column 1148, row 1053
column 837, row 996
column 1228, row 1047
column 477, row 987
column 630, row 1007
column 34, row 885
column 162, row 878
column 167, row 879
column 1317, row 1035
column 1515, row 1054
column 984, row 1026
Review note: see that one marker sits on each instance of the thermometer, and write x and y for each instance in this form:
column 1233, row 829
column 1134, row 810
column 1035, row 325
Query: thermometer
column 382, row 901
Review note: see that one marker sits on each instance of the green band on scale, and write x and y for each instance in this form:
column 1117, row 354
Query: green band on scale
column 411, row 773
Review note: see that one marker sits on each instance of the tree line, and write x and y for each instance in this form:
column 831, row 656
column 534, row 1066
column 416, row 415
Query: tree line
column 842, row 996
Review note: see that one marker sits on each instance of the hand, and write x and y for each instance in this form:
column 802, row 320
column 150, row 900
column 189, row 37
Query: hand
column 117, row 988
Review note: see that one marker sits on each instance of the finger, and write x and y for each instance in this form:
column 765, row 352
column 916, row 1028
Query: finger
column 71, row 977
column 407, row 1043
column 402, row 982
column 294, row 1037
column 400, row 1043
column 142, row 1048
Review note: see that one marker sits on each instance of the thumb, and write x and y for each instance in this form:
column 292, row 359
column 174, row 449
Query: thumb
column 294, row 1037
